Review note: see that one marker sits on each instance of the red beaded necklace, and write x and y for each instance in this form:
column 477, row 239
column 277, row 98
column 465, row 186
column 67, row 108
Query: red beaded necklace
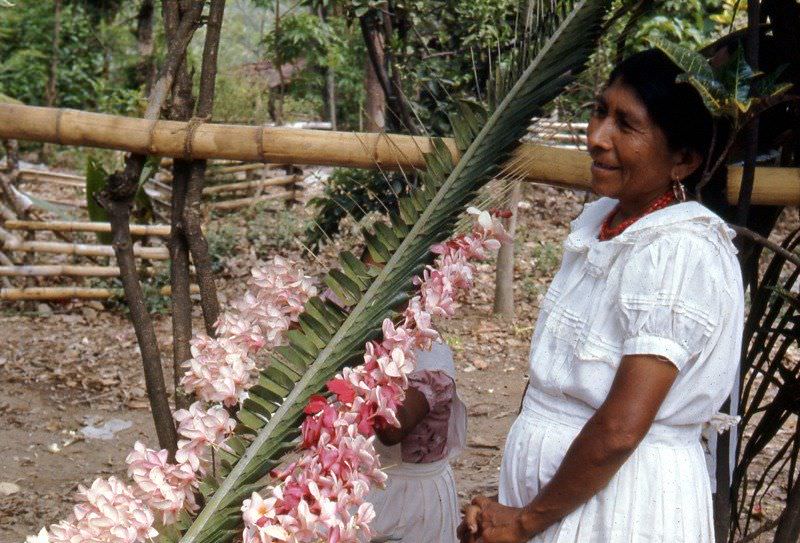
column 607, row 232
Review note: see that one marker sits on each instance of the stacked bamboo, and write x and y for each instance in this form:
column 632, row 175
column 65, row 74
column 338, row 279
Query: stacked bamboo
column 13, row 243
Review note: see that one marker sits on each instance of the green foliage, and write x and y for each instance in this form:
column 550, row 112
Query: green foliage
column 733, row 91
column 352, row 192
column 96, row 180
column 222, row 244
column 93, row 54
column 96, row 177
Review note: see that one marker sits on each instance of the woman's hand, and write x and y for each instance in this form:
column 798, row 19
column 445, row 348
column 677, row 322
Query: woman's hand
column 486, row 521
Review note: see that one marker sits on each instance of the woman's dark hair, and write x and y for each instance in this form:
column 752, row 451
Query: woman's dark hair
column 676, row 108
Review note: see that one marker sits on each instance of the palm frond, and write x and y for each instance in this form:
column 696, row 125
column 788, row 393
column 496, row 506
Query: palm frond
column 770, row 389
column 331, row 338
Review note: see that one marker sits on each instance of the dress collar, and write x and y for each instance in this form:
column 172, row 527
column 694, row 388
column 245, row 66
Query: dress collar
column 585, row 228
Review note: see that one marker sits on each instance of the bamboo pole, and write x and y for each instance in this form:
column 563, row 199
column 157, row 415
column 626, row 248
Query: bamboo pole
column 260, row 183
column 82, row 249
column 55, row 293
column 534, row 162
column 229, row 205
column 69, row 293
column 57, row 270
column 783, row 188
column 160, row 230
column 56, row 178
column 219, row 171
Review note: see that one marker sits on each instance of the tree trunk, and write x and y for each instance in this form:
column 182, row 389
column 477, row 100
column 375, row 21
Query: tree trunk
column 181, row 110
column 330, row 88
column 146, row 73
column 278, row 111
column 51, row 92
column 504, row 274
column 330, row 80
column 192, row 212
column 118, row 197
column 375, row 103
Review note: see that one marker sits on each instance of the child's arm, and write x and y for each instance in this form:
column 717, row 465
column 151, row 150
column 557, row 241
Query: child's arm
column 415, row 408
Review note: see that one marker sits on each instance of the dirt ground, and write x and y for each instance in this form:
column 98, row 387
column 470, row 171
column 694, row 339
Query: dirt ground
column 76, row 366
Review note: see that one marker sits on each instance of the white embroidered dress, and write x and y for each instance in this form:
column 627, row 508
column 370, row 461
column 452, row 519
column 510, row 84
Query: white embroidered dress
column 669, row 285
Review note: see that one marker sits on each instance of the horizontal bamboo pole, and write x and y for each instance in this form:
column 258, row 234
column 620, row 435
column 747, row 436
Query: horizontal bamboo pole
column 70, row 293
column 783, row 189
column 229, row 205
column 213, row 172
column 55, row 293
column 532, row 162
column 160, row 230
column 57, row 270
column 82, row 249
column 245, row 185
column 57, row 178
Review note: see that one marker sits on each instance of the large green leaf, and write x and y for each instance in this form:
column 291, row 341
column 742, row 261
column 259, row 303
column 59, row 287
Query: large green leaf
column 269, row 422
column 697, row 72
column 96, row 177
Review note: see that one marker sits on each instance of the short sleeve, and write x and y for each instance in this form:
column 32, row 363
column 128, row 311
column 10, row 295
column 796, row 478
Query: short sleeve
column 671, row 298
column 437, row 387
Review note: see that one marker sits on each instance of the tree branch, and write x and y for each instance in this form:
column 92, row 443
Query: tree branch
column 192, row 213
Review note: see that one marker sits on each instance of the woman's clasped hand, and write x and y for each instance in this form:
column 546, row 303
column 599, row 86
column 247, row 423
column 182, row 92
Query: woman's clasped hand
column 486, row 521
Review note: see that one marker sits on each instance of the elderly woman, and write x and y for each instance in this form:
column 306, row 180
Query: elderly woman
column 636, row 343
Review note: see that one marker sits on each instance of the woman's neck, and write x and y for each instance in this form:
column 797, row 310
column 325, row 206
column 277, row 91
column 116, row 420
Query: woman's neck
column 627, row 208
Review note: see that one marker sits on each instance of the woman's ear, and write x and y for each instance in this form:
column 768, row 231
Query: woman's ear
column 685, row 164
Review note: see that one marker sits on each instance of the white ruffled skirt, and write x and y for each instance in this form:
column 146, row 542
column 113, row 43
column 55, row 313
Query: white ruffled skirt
column 661, row 494
column 419, row 504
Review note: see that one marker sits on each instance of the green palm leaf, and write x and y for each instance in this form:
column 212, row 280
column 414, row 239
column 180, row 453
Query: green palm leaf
column 331, row 338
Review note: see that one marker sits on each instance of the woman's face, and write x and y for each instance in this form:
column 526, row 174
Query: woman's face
column 631, row 160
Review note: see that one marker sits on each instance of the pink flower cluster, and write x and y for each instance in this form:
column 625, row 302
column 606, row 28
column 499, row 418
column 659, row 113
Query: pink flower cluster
column 221, row 369
column 107, row 512
column 318, row 494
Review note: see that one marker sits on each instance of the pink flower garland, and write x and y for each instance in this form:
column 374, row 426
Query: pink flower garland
column 321, row 496
column 220, row 371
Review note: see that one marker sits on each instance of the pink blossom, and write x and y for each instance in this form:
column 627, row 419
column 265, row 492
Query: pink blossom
column 220, row 371
column 168, row 488
column 201, row 428
column 106, row 512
